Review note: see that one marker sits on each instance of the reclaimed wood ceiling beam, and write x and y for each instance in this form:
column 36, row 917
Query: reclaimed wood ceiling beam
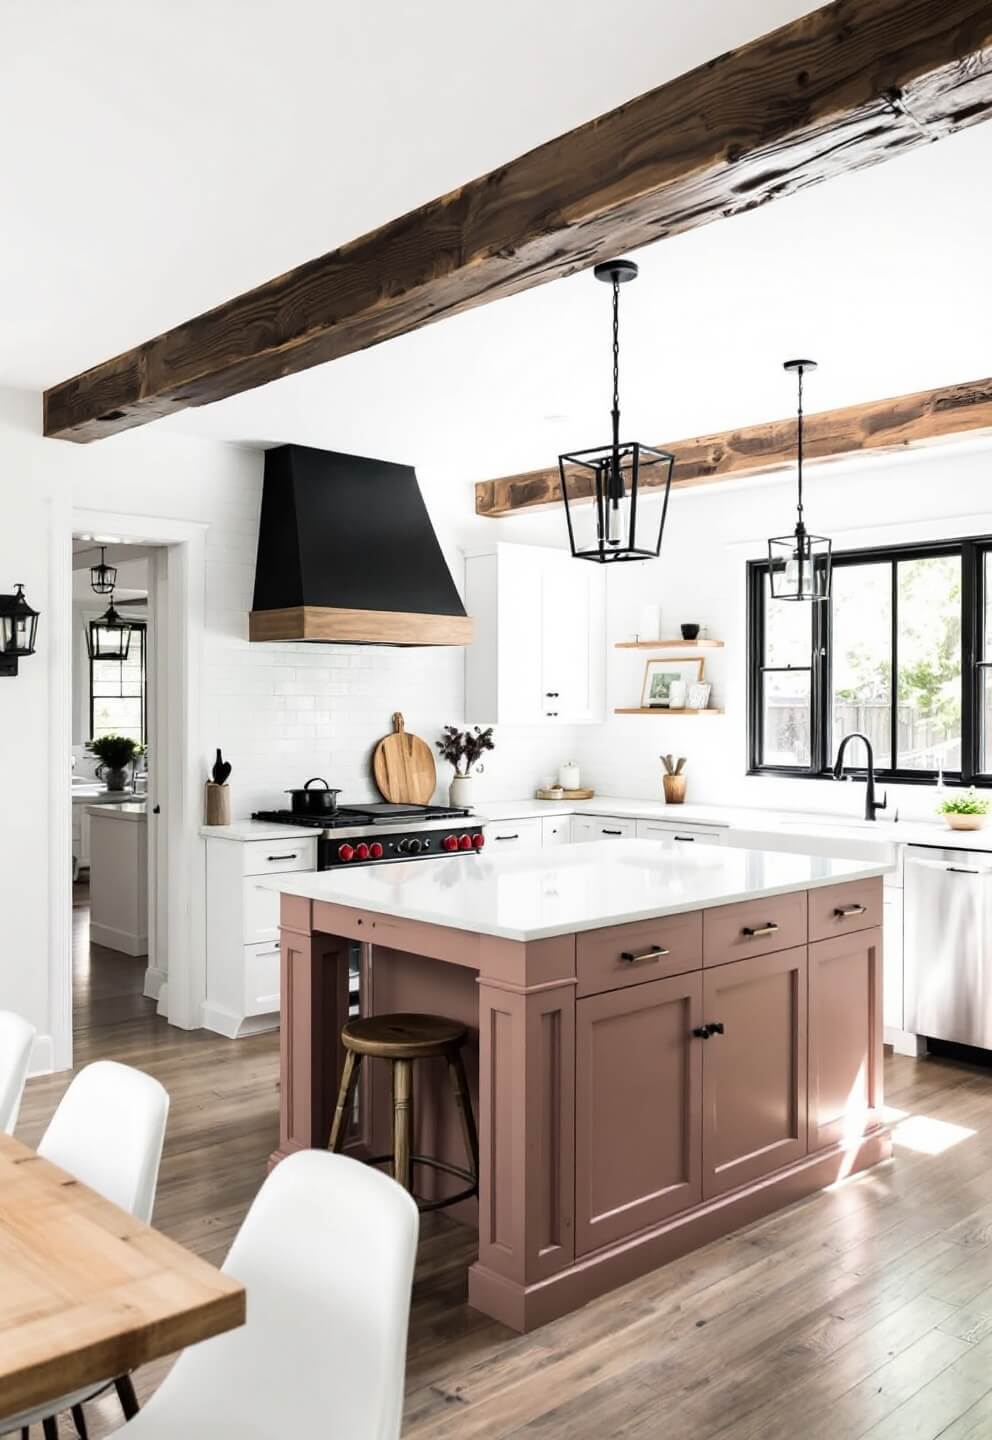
column 881, row 425
column 842, row 88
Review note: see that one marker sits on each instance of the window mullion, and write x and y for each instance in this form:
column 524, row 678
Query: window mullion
column 894, row 673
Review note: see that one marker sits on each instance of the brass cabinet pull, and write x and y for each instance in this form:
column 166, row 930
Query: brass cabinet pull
column 843, row 911
column 655, row 953
column 753, row 932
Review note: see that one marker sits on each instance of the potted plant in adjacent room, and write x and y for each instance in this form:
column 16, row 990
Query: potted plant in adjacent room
column 464, row 749
column 115, row 753
column 964, row 812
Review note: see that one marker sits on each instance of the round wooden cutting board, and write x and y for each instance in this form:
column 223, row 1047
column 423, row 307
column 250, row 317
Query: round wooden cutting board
column 404, row 767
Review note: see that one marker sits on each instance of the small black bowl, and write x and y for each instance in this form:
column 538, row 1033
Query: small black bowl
column 690, row 632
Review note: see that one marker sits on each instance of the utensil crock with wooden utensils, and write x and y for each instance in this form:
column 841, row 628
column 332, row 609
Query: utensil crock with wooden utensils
column 673, row 781
column 404, row 767
column 313, row 801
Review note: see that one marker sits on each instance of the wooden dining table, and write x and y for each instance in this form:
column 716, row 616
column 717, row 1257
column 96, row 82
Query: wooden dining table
column 87, row 1292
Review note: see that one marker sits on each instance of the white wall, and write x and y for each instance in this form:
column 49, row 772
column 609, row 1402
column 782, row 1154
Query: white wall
column 710, row 534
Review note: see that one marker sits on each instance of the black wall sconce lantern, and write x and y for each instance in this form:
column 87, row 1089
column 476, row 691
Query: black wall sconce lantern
column 18, row 628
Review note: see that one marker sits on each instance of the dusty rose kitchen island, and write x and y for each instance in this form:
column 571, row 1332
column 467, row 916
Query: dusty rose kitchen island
column 669, row 1045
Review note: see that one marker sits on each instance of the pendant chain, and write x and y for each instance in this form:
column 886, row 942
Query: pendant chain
column 616, row 347
column 799, row 428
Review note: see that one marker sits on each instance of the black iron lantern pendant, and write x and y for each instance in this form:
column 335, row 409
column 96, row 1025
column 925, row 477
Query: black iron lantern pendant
column 799, row 564
column 18, row 629
column 615, row 476
column 103, row 577
column 109, row 637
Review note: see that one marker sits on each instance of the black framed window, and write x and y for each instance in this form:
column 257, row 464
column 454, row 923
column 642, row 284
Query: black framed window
column 118, row 691
column 901, row 651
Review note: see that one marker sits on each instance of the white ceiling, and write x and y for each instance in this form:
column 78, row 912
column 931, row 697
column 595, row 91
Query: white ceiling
column 161, row 167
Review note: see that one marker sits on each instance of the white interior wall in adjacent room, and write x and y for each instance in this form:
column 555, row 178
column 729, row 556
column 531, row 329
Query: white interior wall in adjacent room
column 711, row 532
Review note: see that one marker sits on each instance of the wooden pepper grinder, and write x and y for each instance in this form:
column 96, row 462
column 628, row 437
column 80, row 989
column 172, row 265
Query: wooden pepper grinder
column 673, row 781
column 218, row 793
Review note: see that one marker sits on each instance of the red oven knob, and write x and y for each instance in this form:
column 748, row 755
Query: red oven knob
column 450, row 842
column 346, row 852
column 465, row 842
column 376, row 851
column 478, row 841
column 361, row 851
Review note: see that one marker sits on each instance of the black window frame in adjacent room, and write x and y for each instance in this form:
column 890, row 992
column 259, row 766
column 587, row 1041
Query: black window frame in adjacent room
column 138, row 627
column 974, row 647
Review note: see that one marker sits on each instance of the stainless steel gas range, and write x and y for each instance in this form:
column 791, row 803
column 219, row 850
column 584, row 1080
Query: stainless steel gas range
column 377, row 833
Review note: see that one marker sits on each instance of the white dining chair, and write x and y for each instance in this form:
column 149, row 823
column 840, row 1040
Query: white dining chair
column 326, row 1255
column 108, row 1132
column 16, row 1039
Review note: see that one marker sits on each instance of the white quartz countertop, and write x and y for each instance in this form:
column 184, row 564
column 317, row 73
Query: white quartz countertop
column 533, row 895
column 134, row 811
column 747, row 825
column 258, row 830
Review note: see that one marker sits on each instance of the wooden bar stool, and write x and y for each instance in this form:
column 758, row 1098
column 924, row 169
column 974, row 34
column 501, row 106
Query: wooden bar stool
column 402, row 1039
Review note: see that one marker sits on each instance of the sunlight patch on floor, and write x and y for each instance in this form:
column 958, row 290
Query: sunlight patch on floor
column 928, row 1136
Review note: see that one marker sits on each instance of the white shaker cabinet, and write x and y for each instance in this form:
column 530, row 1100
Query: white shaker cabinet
column 555, row 830
column 602, row 827
column 539, row 653
column 505, row 835
column 243, row 929
column 670, row 832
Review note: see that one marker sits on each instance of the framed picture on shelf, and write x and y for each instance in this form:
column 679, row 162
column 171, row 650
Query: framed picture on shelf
column 661, row 675
column 699, row 696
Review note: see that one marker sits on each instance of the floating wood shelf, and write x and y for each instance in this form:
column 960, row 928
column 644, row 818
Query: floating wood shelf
column 664, row 710
column 668, row 645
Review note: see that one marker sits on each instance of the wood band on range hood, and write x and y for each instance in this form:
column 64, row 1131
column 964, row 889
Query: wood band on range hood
column 359, row 627
column 347, row 553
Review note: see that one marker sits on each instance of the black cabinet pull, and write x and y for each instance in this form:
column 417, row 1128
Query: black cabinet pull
column 551, row 694
column 280, row 857
column 612, row 832
column 507, row 837
column 687, row 838
column 704, row 1032
column 655, row 952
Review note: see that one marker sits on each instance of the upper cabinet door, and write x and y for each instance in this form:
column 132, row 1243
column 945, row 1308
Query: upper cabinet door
column 638, row 1070
column 845, row 1037
column 539, row 651
column 754, row 1070
column 572, row 639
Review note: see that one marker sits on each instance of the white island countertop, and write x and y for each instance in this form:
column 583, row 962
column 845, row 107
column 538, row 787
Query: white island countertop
column 533, row 895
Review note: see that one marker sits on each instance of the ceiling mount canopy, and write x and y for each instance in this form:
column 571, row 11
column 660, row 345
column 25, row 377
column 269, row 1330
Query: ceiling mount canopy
column 799, row 564
column 614, row 473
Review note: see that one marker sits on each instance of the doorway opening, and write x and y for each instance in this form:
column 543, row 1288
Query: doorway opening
column 115, row 975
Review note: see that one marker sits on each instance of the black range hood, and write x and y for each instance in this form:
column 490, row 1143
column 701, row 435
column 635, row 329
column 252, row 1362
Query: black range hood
column 347, row 553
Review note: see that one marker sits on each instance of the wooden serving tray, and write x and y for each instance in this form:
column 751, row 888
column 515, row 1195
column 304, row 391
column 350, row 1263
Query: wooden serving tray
column 566, row 795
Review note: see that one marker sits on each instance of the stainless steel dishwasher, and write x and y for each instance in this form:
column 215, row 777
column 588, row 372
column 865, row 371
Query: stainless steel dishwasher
column 947, row 946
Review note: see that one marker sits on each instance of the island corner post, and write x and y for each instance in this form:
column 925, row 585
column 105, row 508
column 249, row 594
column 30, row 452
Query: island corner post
column 580, row 1190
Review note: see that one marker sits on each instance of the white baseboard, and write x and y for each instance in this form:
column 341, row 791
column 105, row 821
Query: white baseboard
column 122, row 940
column 903, row 1042
column 154, row 981
column 236, row 1027
column 42, row 1056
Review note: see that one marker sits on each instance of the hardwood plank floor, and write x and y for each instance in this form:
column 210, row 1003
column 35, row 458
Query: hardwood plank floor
column 864, row 1311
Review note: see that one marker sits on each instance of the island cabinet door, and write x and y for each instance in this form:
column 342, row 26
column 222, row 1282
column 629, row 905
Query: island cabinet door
column 754, row 1069
column 845, row 1037
column 637, row 1108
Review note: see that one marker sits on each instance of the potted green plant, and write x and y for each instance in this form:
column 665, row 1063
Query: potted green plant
column 115, row 753
column 964, row 812
column 464, row 750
